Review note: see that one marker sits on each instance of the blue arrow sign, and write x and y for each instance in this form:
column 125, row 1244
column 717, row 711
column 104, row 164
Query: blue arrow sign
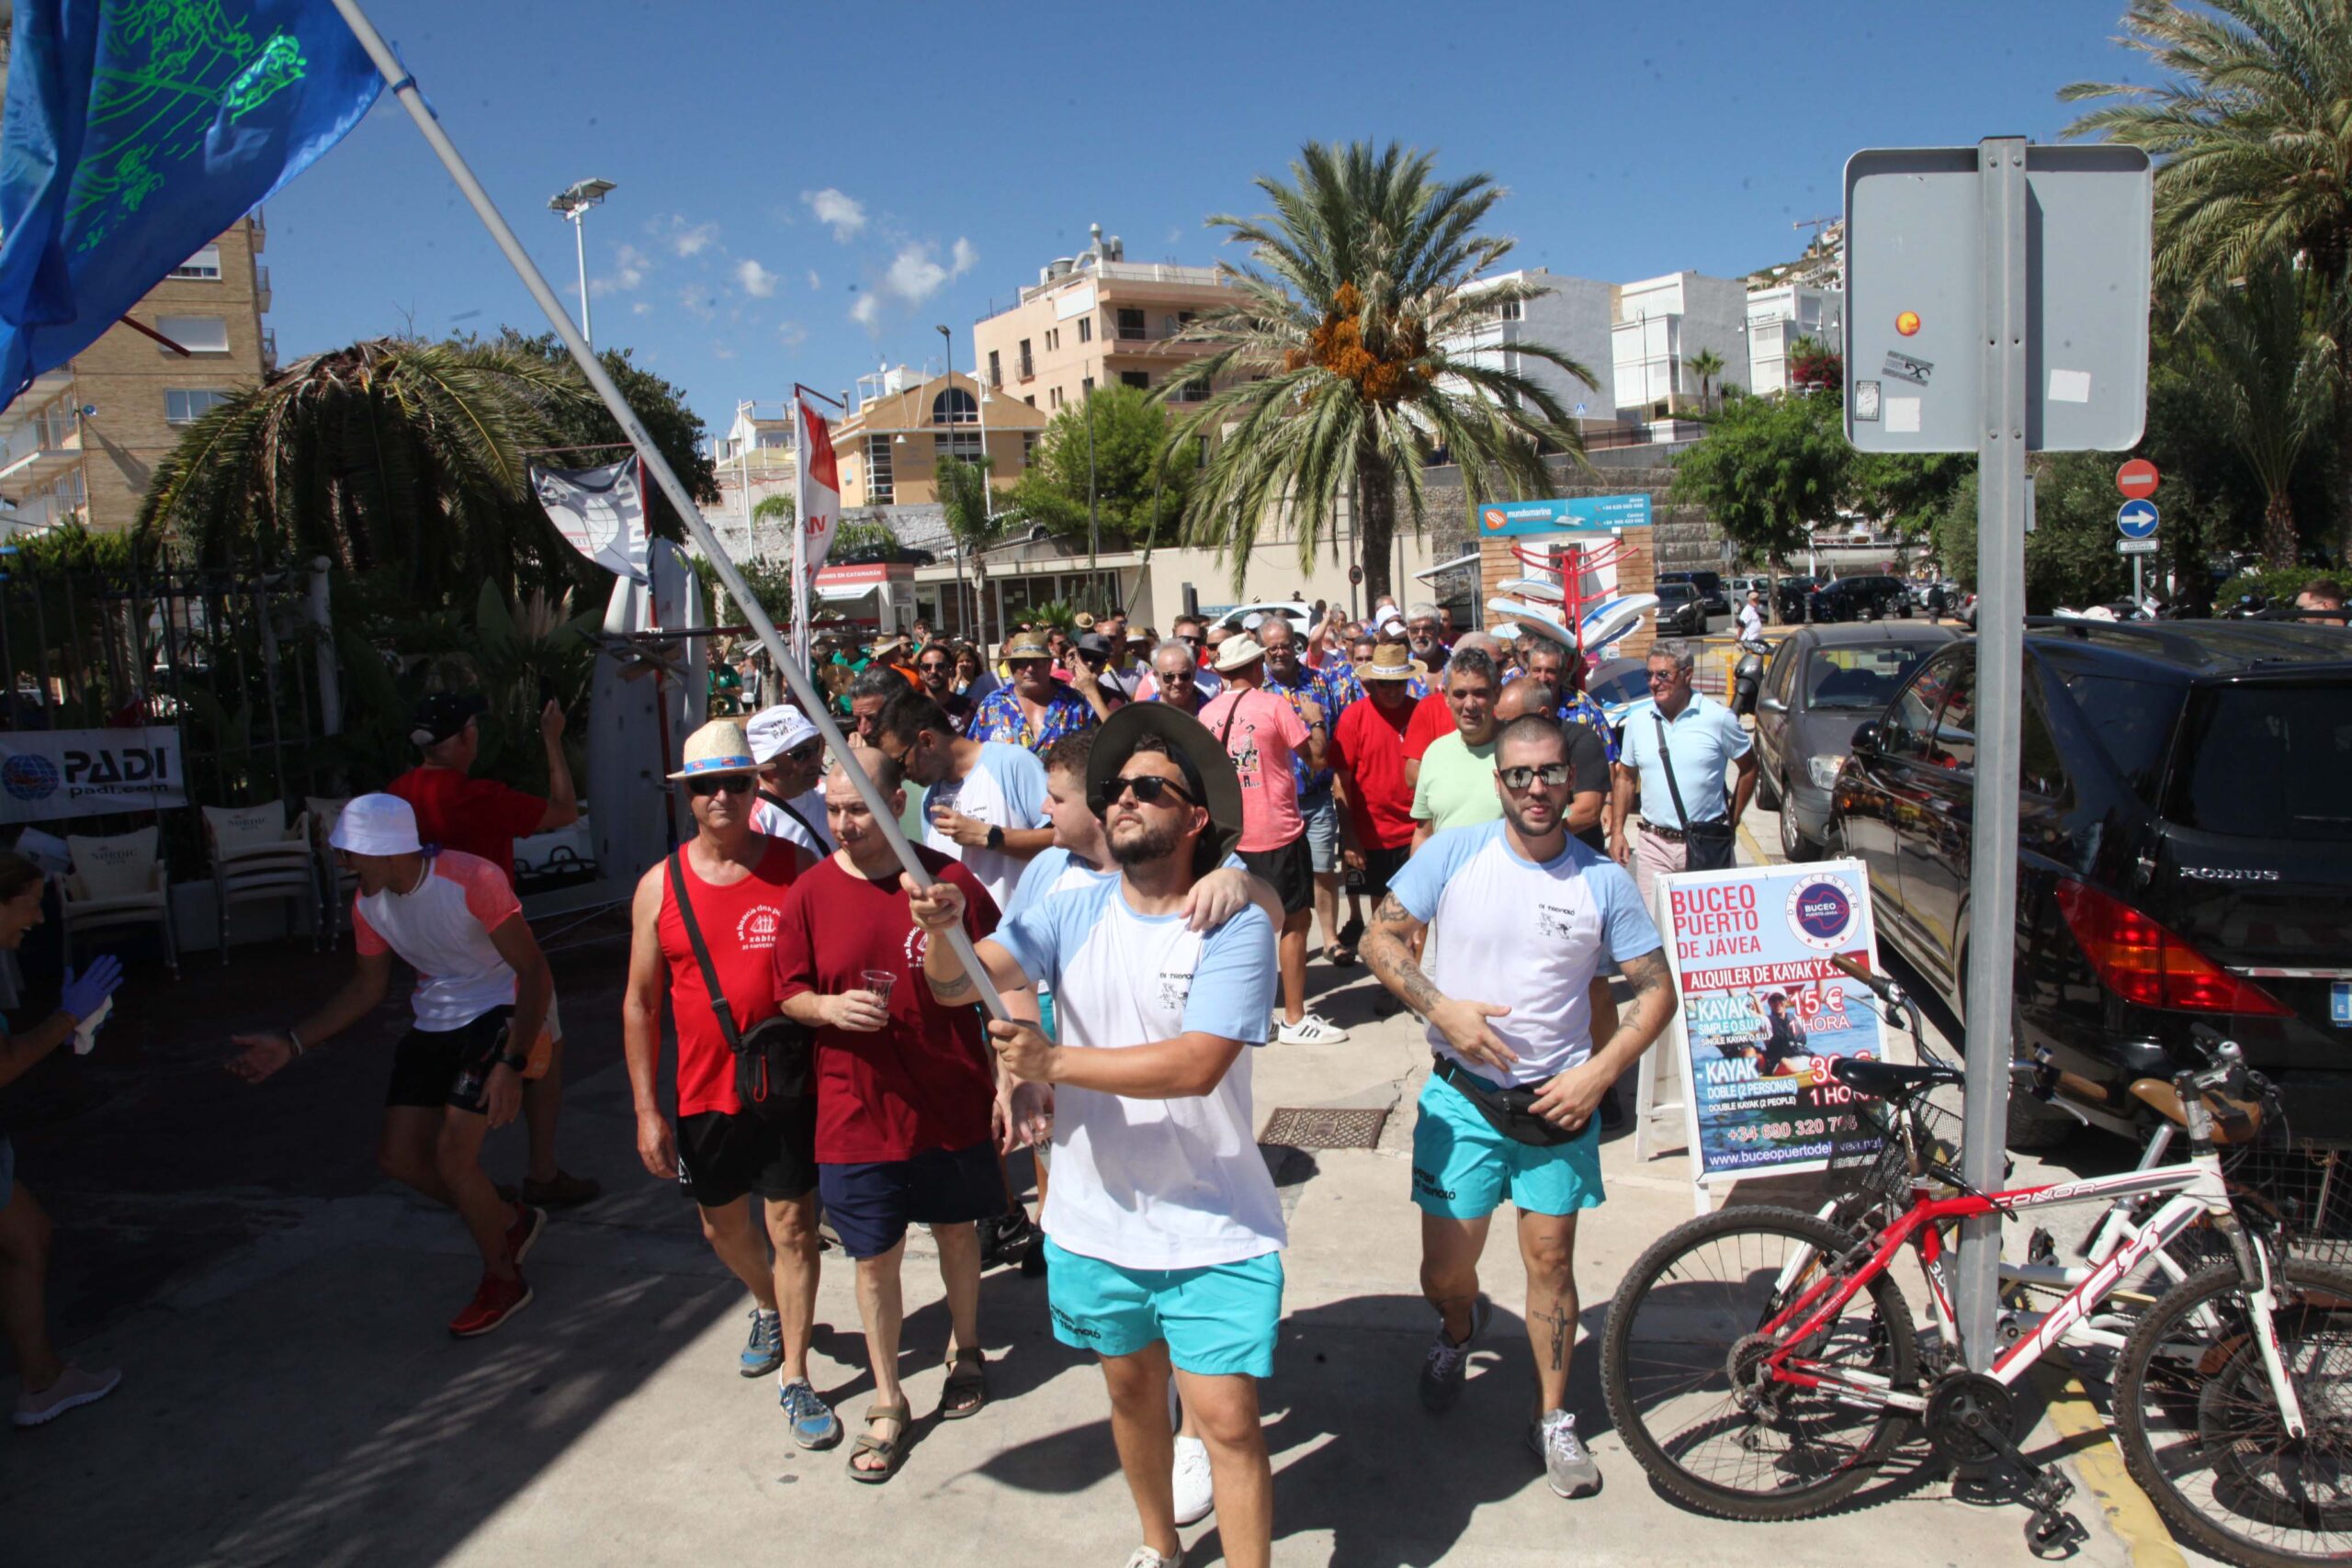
column 2137, row 519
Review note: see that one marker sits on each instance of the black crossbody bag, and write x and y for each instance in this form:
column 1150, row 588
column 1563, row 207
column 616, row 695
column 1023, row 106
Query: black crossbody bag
column 1510, row 1111
column 1708, row 846
column 772, row 1061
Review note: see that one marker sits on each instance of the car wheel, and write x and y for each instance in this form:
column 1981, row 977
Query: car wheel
column 1768, row 793
column 1905, row 611
column 1795, row 845
column 2034, row 1126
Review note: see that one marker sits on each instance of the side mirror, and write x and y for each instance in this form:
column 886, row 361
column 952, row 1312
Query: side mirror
column 1772, row 705
column 1865, row 737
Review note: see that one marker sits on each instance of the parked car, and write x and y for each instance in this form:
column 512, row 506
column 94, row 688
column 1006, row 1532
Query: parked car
column 1788, row 598
column 1866, row 598
column 2185, row 852
column 1301, row 614
column 1681, row 611
column 1821, row 684
column 1710, row 585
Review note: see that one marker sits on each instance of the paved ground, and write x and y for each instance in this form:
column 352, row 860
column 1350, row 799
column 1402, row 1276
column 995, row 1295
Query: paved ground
column 290, row 1395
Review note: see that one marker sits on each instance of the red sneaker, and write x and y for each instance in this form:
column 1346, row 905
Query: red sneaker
column 497, row 1301
column 528, row 1222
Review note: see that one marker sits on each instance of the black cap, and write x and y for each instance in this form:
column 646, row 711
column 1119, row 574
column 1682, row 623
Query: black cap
column 1094, row 643
column 1200, row 756
column 440, row 715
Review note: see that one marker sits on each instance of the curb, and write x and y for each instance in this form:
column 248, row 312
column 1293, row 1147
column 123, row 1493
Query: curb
column 2100, row 1465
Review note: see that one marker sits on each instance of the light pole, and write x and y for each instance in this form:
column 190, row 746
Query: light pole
column 573, row 203
column 1093, row 518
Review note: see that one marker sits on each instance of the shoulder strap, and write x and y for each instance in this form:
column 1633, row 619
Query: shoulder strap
column 1666, row 756
column 1232, row 714
column 787, row 808
column 718, row 1004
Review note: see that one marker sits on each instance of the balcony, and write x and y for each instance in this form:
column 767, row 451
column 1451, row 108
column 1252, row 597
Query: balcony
column 261, row 289
column 45, row 445
column 260, row 231
column 1028, row 368
column 269, row 351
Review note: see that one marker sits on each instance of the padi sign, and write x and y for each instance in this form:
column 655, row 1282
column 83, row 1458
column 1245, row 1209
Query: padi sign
column 48, row 773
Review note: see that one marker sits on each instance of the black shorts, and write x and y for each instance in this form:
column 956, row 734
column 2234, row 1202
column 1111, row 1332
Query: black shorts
column 1289, row 871
column 1380, row 869
column 871, row 1205
column 450, row 1066
column 726, row 1156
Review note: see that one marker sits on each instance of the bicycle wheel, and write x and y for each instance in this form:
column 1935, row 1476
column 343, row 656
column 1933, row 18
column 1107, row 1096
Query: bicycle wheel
column 1683, row 1333
column 2204, row 1436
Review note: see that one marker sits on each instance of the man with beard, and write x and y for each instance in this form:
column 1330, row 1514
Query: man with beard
column 936, row 668
column 1035, row 709
column 1164, row 1229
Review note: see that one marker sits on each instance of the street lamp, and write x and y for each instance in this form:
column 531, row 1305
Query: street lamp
column 573, row 203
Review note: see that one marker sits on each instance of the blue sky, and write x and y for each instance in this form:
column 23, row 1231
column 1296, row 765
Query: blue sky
column 803, row 191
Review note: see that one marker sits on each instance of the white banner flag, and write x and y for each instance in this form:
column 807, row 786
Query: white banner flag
column 600, row 513
column 48, row 773
column 817, row 480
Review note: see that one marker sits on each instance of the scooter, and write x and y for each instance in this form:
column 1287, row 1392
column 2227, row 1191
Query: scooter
column 1747, row 674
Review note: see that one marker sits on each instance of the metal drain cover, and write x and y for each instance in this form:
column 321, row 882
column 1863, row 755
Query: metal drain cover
column 1316, row 1128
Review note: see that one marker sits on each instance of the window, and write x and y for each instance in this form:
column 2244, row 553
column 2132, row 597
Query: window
column 1190, row 391
column 879, row 491
column 204, row 267
column 2267, row 762
column 1053, row 396
column 186, row 407
column 1053, row 340
column 1860, row 676
column 1086, row 387
column 1909, row 731
column 1028, row 366
column 1137, row 378
column 1031, row 399
column 964, row 443
column 1130, row 323
column 198, row 334
column 2134, row 721
column 955, row 406
column 1028, row 448
column 996, row 372
column 1510, row 311
column 1086, row 329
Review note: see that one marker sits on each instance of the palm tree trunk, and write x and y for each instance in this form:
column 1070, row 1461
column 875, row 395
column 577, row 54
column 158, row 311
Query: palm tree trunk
column 1376, row 524
column 2278, row 539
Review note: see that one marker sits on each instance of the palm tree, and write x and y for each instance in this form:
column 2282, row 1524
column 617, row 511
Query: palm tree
column 393, row 457
column 970, row 512
column 1340, row 351
column 2255, row 165
column 1706, row 365
column 2272, row 385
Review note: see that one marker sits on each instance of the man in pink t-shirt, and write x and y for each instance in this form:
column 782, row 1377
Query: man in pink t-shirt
column 1264, row 733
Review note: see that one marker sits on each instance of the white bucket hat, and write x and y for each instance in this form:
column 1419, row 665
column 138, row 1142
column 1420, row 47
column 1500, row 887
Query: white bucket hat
column 774, row 731
column 376, row 825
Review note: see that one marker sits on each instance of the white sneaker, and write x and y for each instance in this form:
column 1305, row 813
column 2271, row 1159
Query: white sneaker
column 1311, row 1028
column 1146, row 1557
column 1568, row 1463
column 1194, row 1497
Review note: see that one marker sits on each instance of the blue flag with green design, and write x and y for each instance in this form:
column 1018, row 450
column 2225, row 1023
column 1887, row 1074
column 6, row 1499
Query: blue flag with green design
column 136, row 131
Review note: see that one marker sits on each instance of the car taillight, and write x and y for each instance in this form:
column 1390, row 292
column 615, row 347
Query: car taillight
column 2143, row 961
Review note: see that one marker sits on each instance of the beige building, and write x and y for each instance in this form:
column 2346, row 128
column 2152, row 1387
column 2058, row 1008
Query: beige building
column 1097, row 319
column 82, row 443
column 902, row 423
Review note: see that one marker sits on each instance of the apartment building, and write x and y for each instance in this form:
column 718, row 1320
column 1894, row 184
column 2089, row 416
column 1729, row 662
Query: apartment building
column 1780, row 315
column 1097, row 319
column 1661, row 324
column 82, row 442
column 902, row 423
column 1573, row 317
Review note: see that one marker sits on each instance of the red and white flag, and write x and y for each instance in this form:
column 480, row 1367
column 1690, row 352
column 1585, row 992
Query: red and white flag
column 817, row 484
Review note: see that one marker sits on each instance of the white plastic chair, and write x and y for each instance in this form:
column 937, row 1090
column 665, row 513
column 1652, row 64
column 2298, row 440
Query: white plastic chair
column 256, row 858
column 116, row 881
column 337, row 886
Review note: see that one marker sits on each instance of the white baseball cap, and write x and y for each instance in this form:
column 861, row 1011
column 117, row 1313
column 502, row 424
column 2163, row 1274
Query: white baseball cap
column 774, row 731
column 376, row 825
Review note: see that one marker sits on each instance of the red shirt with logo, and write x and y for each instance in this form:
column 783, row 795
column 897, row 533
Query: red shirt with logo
column 925, row 1080
column 739, row 925
column 1368, row 750
column 481, row 816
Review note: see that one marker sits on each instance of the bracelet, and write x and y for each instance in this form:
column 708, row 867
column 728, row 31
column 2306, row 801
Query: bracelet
column 294, row 1040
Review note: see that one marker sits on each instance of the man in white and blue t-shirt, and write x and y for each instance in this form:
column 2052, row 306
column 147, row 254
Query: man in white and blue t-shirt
column 1165, row 1229
column 1524, row 915
column 983, row 801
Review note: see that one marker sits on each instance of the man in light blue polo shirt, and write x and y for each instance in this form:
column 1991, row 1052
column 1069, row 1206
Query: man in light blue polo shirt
column 1701, row 739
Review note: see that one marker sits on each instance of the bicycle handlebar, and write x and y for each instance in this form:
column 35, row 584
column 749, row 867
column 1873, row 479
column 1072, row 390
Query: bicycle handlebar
column 1877, row 984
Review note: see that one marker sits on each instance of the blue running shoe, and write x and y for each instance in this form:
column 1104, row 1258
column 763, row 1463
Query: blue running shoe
column 814, row 1424
column 764, row 1352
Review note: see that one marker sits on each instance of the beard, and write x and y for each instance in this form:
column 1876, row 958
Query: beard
column 1135, row 843
column 1519, row 818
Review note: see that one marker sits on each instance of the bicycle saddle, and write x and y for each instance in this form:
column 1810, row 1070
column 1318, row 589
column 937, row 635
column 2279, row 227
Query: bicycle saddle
column 1887, row 1080
column 2234, row 1121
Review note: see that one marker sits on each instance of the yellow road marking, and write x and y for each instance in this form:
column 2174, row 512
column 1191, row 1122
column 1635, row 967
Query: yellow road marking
column 2100, row 1465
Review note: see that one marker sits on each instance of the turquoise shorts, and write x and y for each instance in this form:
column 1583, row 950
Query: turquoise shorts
column 1217, row 1320
column 1461, row 1166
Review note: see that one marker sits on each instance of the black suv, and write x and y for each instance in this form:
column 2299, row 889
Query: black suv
column 2185, row 852
column 1872, row 598
column 1681, row 611
column 1710, row 588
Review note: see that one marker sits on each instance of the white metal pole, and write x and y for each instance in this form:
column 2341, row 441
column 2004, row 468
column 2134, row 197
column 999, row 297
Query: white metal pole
column 579, row 249
column 403, row 86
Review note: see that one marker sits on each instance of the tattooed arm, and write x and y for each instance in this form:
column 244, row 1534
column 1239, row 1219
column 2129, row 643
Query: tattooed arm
column 1388, row 948
column 1568, row 1099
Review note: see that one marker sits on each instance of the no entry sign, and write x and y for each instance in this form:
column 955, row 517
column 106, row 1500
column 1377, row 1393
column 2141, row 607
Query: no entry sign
column 2137, row 479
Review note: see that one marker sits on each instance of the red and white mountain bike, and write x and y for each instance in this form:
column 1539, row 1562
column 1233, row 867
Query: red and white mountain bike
column 1761, row 1363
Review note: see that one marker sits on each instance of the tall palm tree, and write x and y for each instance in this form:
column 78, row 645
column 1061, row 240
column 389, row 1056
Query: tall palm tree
column 970, row 515
column 2272, row 386
column 1346, row 348
column 393, row 457
column 2252, row 127
column 1706, row 365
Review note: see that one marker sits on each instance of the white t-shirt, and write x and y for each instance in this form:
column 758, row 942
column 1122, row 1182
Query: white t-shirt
column 1751, row 621
column 1006, row 788
column 1507, row 931
column 817, row 837
column 442, row 931
column 1153, row 1184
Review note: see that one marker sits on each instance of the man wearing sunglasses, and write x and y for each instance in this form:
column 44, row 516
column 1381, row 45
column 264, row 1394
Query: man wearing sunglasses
column 791, row 757
column 1189, row 634
column 983, row 801
column 1676, row 755
column 1519, row 916
column 1164, row 1231
column 936, row 668
column 1176, row 679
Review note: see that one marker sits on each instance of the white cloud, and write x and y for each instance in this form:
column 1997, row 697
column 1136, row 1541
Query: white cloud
column 845, row 215
column 720, row 350
column 791, row 334
column 694, row 241
column 814, row 283
column 641, row 309
column 629, row 268
column 867, row 307
column 757, row 281
column 913, row 275
column 697, row 301
column 963, row 258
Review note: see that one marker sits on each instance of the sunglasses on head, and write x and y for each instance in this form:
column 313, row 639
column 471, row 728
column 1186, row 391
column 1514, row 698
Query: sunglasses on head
column 729, row 784
column 1147, row 790
column 1516, row 780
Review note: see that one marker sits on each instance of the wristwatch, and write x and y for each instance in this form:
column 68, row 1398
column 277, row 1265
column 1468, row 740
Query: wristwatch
column 996, row 837
column 512, row 1060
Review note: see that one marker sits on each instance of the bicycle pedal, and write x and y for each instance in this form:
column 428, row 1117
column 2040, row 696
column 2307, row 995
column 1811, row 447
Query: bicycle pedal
column 2055, row 1534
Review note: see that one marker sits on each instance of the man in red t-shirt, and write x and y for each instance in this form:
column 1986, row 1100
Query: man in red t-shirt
column 737, row 879
column 483, row 817
column 906, row 1094
column 1368, row 755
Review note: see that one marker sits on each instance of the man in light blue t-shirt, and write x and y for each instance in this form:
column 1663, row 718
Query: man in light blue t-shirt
column 1165, row 1232
column 1682, row 744
column 1523, row 917
column 983, row 801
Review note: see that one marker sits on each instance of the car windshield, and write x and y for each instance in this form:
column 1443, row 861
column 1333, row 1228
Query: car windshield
column 1864, row 677
column 2267, row 762
column 1667, row 591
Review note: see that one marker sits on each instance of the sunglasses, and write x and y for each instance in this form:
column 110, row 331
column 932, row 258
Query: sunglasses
column 807, row 751
column 929, row 666
column 1663, row 677
column 1147, row 790
column 1516, row 780
column 729, row 784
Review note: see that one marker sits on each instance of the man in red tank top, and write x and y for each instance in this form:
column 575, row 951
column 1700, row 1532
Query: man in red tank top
column 735, row 878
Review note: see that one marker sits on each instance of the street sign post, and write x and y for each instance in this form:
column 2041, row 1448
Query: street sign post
column 2135, row 548
column 1997, row 301
column 2136, row 520
column 2137, row 479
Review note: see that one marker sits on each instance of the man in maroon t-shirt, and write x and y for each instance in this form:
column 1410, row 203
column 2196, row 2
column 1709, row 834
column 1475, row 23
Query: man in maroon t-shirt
column 483, row 817
column 906, row 1095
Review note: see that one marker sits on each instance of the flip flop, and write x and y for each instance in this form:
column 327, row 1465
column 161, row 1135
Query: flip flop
column 890, row 1451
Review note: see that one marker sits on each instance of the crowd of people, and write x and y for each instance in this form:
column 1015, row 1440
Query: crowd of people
column 1137, row 836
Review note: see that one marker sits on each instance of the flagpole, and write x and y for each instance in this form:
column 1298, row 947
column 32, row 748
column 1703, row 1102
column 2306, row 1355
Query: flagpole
column 800, row 638
column 403, row 87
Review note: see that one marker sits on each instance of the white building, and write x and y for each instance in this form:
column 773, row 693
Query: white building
column 1663, row 323
column 1777, row 317
column 1573, row 317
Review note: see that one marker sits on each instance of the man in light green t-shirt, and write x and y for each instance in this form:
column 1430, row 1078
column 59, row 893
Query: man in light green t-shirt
column 1456, row 785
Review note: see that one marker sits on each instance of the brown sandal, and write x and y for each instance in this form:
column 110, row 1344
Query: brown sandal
column 968, row 1386
column 890, row 1451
